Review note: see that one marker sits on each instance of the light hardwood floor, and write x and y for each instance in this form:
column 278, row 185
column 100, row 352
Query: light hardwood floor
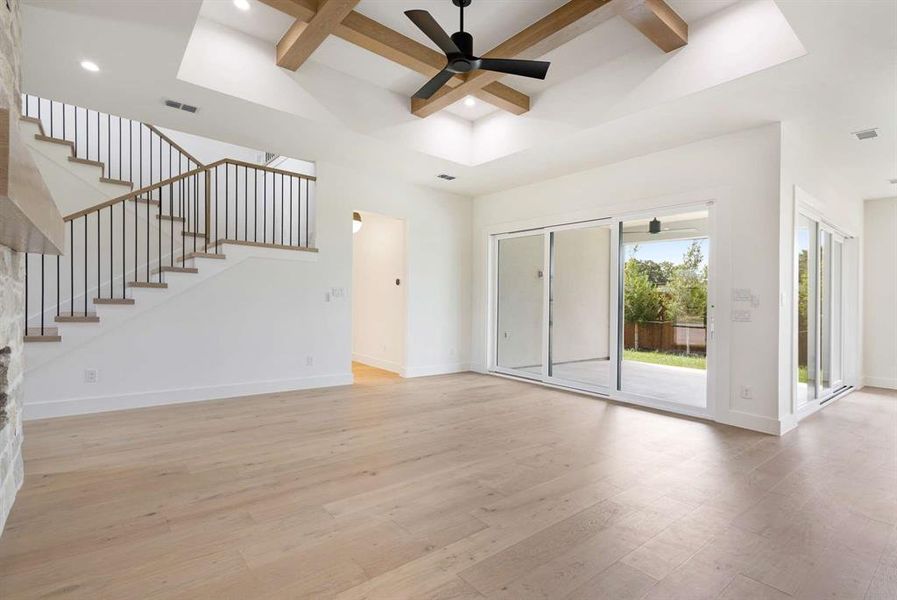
column 452, row 488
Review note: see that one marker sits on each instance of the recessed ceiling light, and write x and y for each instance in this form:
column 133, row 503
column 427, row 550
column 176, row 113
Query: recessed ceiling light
column 470, row 102
column 88, row 65
column 242, row 4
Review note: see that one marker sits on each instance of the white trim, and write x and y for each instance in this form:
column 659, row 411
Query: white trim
column 386, row 365
column 753, row 422
column 429, row 370
column 889, row 383
column 96, row 404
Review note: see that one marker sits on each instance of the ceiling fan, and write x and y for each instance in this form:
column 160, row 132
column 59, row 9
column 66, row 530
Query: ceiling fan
column 458, row 50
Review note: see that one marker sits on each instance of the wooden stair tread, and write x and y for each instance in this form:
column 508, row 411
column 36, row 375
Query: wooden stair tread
column 176, row 270
column 192, row 255
column 116, row 182
column 194, row 234
column 148, row 284
column 170, row 218
column 78, row 318
column 221, row 242
column 141, row 200
column 87, row 161
column 35, row 121
column 46, row 138
column 50, row 334
column 113, row 301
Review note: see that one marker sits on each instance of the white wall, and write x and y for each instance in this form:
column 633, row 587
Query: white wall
column 740, row 174
column 378, row 304
column 880, row 293
column 252, row 328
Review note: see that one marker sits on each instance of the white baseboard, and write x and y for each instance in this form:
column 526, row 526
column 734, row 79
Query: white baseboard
column 378, row 363
column 889, row 383
column 95, row 404
column 753, row 422
column 429, row 370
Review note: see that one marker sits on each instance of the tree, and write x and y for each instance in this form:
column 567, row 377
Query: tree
column 642, row 301
column 686, row 292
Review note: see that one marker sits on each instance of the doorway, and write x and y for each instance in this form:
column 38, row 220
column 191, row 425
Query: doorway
column 378, row 291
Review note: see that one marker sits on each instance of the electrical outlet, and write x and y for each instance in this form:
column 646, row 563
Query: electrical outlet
column 91, row 376
column 746, row 392
column 309, row 361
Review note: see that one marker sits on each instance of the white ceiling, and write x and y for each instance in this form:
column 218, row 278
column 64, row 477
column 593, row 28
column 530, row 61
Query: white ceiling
column 610, row 94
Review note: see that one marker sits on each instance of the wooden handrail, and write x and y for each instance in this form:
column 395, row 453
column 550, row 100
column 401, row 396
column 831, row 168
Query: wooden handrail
column 173, row 144
column 129, row 195
column 203, row 169
column 242, row 163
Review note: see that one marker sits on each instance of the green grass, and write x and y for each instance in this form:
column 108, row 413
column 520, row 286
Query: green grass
column 664, row 358
column 803, row 374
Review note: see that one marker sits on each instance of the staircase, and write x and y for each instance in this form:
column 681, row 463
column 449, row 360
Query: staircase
column 151, row 212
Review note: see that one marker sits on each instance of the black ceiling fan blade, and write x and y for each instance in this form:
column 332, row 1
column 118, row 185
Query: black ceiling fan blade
column 426, row 23
column 537, row 69
column 432, row 86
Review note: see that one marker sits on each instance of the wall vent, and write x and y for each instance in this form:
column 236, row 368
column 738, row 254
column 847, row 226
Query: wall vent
column 446, row 176
column 866, row 134
column 893, row 181
column 180, row 105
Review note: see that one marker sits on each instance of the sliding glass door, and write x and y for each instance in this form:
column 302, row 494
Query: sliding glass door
column 820, row 310
column 519, row 292
column 579, row 352
column 664, row 308
column 613, row 306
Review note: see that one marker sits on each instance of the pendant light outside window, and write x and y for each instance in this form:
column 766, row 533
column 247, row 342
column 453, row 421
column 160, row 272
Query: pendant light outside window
column 654, row 226
column 356, row 222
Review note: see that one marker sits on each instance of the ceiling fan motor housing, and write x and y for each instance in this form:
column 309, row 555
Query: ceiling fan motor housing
column 464, row 62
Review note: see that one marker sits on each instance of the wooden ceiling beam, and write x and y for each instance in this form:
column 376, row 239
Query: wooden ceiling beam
column 657, row 22
column 392, row 45
column 304, row 37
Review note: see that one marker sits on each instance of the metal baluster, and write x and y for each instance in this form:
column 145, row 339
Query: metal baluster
column 255, row 211
column 264, row 206
column 226, row 200
column 124, row 260
column 85, row 263
column 26, row 293
column 217, row 189
column 42, row 279
column 99, row 264
column 245, row 203
column 111, row 254
column 72, row 268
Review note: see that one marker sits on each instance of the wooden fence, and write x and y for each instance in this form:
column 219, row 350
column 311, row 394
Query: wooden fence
column 666, row 336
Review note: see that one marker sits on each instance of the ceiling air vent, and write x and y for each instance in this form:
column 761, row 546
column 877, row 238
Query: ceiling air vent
column 180, row 105
column 866, row 134
column 446, row 176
